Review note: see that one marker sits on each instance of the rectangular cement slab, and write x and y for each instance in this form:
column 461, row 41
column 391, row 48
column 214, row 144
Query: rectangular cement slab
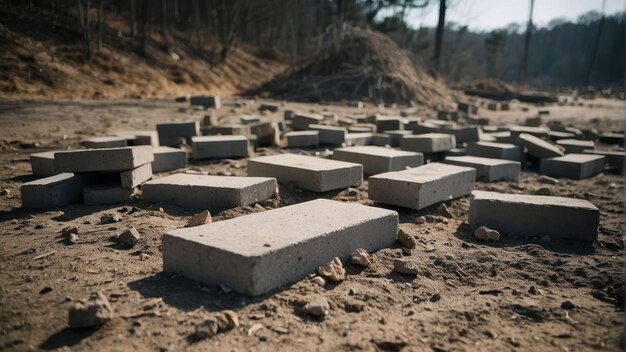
column 42, row 164
column 105, row 160
column 106, row 194
column 529, row 215
column 496, row 151
column 396, row 136
column 356, row 139
column 106, row 142
column 301, row 121
column 54, row 191
column 538, row 132
column 422, row 186
column 614, row 158
column 208, row 101
column 211, row 147
column 428, row 142
column 574, row 166
column 135, row 177
column 381, row 139
column 261, row 252
column 141, row 137
column 208, row 192
column 330, row 135
column 376, row 160
column 168, row 158
column 249, row 119
column 488, row 169
column 171, row 133
column 575, row 146
column 227, row 130
column 388, row 123
column 307, row 172
column 302, row 139
column 537, row 147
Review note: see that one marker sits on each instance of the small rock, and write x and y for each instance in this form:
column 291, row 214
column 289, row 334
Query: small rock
column 69, row 230
column 5, row 192
column 548, row 180
column 406, row 240
column 407, row 251
column 405, row 267
column 567, row 305
column 435, row 297
column 543, row 191
column 92, row 314
column 332, row 271
column 42, row 225
column 254, row 329
column 362, row 258
column 533, row 290
column 73, row 239
column 217, row 323
column 443, row 211
column 206, row 329
column 486, row 234
column 109, row 218
column 420, row 220
column 128, row 238
column 318, row 307
column 199, row 219
column 318, row 280
column 354, row 306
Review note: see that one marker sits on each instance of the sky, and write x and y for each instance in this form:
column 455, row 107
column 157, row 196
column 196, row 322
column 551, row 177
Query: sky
column 491, row 14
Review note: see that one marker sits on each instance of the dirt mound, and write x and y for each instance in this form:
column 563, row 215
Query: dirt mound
column 492, row 85
column 364, row 65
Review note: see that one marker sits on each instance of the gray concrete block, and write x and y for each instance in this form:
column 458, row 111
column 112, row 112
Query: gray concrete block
column 574, row 166
column 502, row 137
column 54, row 191
column 105, row 142
column 261, row 252
column 355, row 139
column 301, row 121
column 381, row 139
column 539, row 132
column 388, row 123
column 330, row 135
column 249, row 119
column 206, row 101
column 488, row 169
column 106, row 194
column 455, row 152
column 302, row 139
column 140, row 137
column 265, row 133
column 227, row 130
column 273, row 107
column 376, row 160
column 396, row 136
column 171, row 133
column 463, row 134
column 208, row 192
column 167, row 159
column 556, row 135
column 575, row 146
column 418, row 127
column 537, row 147
column 529, row 215
column 422, row 186
column 135, row 177
column 209, row 147
column 42, row 164
column 362, row 128
column 105, row 160
column 614, row 159
column 307, row 172
column 612, row 138
column 428, row 142
column 496, row 151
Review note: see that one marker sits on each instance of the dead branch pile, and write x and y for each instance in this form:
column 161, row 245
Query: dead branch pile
column 359, row 64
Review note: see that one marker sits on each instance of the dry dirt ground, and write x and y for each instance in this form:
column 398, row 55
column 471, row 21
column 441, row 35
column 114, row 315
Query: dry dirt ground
column 505, row 295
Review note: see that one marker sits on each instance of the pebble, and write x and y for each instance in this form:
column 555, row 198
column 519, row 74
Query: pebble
column 406, row 240
column 109, row 218
column 92, row 314
column 42, row 225
column 486, row 234
column 69, row 230
column 318, row 280
column 128, row 238
column 443, row 211
column 543, row 191
column 317, row 308
column 362, row 258
column 73, row 238
column 217, row 323
column 567, row 305
column 548, row 180
column 333, row 270
column 5, row 192
column 420, row 220
column 199, row 219
column 405, row 267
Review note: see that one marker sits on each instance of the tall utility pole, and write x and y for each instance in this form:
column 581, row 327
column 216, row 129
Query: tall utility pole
column 524, row 66
column 595, row 50
column 439, row 33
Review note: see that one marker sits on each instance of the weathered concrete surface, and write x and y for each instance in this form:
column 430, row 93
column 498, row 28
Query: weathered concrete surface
column 301, row 121
column 105, row 142
column 539, row 132
column 208, row 101
column 208, row 192
column 249, row 119
column 106, row 194
column 529, row 215
column 575, row 146
column 614, row 158
column 397, row 135
column 302, row 139
column 307, row 172
column 388, row 123
column 356, row 139
column 381, row 139
column 113, row 159
column 54, row 191
column 428, row 142
column 168, row 158
column 42, row 164
column 140, row 137
column 330, row 135
column 261, row 252
column 135, row 177
column 376, row 160
column 171, row 133
column 537, row 147
column 574, row 166
column 209, row 147
column 488, row 169
column 422, row 186
column 227, row 130
column 496, row 150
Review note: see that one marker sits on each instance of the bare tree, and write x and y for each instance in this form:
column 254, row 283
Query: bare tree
column 100, row 6
column 439, row 34
column 594, row 55
column 83, row 14
column 524, row 65
column 132, row 21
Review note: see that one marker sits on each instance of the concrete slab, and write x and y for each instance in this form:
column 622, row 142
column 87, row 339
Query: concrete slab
column 106, row 194
column 42, row 164
column 208, row 192
column 307, row 172
column 428, row 142
column 265, row 133
column 135, row 177
column 488, row 169
column 330, row 135
column 171, row 133
column 273, row 107
column 54, row 191
column 207, row 101
column 140, row 137
column 211, row 147
column 301, row 121
column 529, row 215
column 388, row 123
column 356, row 139
column 539, row 132
column 422, row 186
column 463, row 134
column 376, row 160
column 396, row 136
column 455, row 152
column 261, row 252
column 302, row 139
column 249, row 119
column 227, row 130
column 502, row 137
column 381, row 139
column 362, row 128
column 612, row 138
column 537, row 147
column 574, row 166
column 105, row 142
column 556, row 135
column 168, row 159
column 613, row 158
column 496, row 150
column 575, row 146
column 105, row 160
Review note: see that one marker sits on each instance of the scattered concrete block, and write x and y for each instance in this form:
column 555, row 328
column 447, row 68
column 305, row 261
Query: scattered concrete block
column 265, row 132
column 209, row 192
column 301, row 121
column 376, row 160
column 113, row 159
column 534, row 121
column 455, row 152
column 614, row 159
column 302, row 139
column 467, row 108
column 441, row 123
column 428, row 143
column 463, row 134
column 418, row 127
column 261, row 252
column 381, row 139
column 42, row 164
column 330, row 135
column 172, row 133
column 505, row 106
column 209, row 147
column 362, row 128
column 135, row 177
column 396, row 136
column 496, row 150
column 502, row 137
column 388, row 123
column 206, row 101
column 54, row 191
column 307, row 172
column 540, row 132
column 492, row 106
column 355, row 139
column 488, row 169
column 538, row 147
column 288, row 115
column 106, row 142
column 227, row 130
column 106, row 194
column 142, row 137
column 477, row 120
column 167, row 159
column 422, row 186
column 574, row 166
column 269, row 107
column 575, row 145
column 529, row 215
column 555, row 135
column 612, row 138
column 249, row 119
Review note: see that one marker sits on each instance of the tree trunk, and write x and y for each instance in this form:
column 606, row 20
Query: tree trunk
column 595, row 50
column 83, row 14
column 164, row 22
column 100, row 6
column 133, row 22
column 524, row 65
column 439, row 33
column 145, row 24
